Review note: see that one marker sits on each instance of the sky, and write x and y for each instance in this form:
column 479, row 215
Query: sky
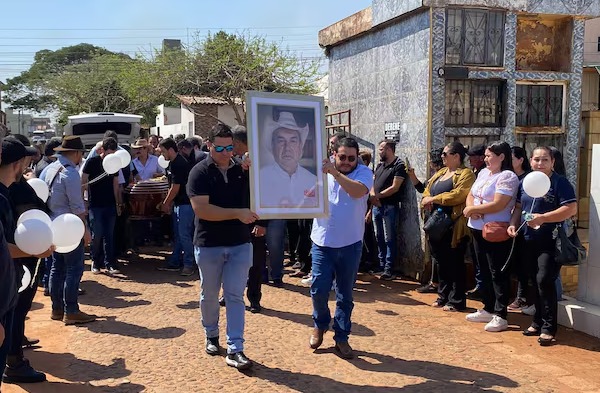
column 138, row 26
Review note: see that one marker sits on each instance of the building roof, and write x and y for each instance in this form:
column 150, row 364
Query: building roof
column 195, row 100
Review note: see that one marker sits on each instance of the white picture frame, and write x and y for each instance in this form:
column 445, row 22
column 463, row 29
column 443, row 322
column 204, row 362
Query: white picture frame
column 292, row 128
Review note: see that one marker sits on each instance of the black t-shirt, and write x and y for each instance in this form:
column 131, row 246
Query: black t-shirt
column 7, row 215
column 177, row 173
column 384, row 177
column 8, row 276
column 207, row 179
column 101, row 193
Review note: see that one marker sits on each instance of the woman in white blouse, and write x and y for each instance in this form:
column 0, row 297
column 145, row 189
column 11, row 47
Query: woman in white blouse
column 492, row 199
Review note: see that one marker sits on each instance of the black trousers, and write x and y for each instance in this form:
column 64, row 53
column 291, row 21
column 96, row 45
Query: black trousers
column 544, row 271
column 293, row 232
column 521, row 268
column 496, row 283
column 24, row 301
column 451, row 271
column 369, row 257
column 259, row 264
column 6, row 321
column 304, row 245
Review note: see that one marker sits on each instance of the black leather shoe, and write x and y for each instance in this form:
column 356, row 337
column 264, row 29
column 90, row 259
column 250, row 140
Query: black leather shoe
column 238, row 360
column 22, row 372
column 222, row 301
column 255, row 308
column 27, row 343
column 212, row 346
column 278, row 283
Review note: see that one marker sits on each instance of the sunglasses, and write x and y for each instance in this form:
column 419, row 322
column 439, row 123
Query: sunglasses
column 219, row 149
column 344, row 157
column 444, row 154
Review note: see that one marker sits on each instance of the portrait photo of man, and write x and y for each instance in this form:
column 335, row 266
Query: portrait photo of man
column 284, row 181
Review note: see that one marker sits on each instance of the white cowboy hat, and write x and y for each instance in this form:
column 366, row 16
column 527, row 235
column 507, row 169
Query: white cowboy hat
column 287, row 121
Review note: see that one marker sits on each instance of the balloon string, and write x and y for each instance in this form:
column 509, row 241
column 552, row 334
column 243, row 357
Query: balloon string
column 515, row 238
column 34, row 279
column 103, row 175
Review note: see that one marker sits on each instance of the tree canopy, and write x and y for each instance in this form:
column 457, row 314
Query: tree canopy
column 87, row 78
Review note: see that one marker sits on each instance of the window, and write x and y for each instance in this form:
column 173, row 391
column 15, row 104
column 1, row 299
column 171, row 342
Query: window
column 474, row 37
column 474, row 103
column 539, row 105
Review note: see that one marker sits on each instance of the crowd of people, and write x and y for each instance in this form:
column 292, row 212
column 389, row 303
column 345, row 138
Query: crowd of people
column 214, row 232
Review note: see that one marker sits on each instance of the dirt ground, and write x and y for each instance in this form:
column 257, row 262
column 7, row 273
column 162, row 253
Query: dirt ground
column 149, row 339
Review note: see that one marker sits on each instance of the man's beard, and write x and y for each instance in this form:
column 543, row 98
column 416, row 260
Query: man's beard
column 344, row 170
column 383, row 157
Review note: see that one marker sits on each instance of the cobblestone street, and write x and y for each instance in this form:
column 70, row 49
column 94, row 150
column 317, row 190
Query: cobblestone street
column 149, row 339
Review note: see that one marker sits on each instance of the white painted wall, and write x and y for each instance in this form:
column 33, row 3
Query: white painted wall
column 589, row 272
column 589, row 91
column 591, row 55
column 227, row 115
column 187, row 121
column 167, row 115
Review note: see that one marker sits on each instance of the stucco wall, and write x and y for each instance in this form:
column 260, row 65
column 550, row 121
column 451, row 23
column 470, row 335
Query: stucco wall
column 384, row 10
column 384, row 77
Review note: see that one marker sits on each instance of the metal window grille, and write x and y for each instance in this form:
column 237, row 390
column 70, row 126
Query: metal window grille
column 539, row 105
column 474, row 37
column 474, row 103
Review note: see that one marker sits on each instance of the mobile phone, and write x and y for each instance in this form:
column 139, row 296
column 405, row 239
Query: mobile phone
column 407, row 163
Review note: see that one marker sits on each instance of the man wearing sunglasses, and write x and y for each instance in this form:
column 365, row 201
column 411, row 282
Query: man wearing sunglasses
column 219, row 190
column 337, row 244
column 177, row 203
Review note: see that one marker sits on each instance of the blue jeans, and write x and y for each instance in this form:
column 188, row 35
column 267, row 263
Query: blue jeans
column 384, row 218
column 227, row 266
column 65, row 276
column 275, row 237
column 102, row 222
column 341, row 265
column 183, row 234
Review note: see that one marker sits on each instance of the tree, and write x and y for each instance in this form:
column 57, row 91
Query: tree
column 30, row 90
column 227, row 65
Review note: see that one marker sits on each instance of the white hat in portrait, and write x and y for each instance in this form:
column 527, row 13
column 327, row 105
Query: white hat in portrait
column 286, row 120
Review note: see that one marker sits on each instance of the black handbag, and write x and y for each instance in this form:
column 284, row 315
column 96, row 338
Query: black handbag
column 568, row 249
column 437, row 225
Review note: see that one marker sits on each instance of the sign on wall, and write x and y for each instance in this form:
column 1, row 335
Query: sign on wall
column 392, row 130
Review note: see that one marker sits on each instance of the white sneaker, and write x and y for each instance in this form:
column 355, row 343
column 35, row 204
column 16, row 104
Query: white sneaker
column 480, row 316
column 529, row 310
column 306, row 281
column 497, row 324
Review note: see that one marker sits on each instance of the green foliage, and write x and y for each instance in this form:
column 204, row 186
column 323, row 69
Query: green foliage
column 86, row 78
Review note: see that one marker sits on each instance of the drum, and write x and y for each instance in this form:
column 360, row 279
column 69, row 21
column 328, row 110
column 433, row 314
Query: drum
column 144, row 197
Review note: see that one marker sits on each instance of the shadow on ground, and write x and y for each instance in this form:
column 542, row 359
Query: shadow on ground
column 440, row 377
column 110, row 325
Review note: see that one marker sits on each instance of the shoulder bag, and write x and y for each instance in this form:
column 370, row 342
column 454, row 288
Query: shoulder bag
column 437, row 225
column 568, row 250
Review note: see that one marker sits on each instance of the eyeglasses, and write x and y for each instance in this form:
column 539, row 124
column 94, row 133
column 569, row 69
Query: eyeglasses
column 219, row 149
column 344, row 157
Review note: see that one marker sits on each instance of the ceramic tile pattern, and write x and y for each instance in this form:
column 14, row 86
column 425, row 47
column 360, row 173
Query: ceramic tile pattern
column 391, row 75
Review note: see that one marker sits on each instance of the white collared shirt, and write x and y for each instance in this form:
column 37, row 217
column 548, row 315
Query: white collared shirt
column 147, row 171
column 279, row 189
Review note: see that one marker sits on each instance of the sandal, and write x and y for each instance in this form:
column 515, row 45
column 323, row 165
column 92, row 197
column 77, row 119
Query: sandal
column 437, row 304
column 449, row 308
column 530, row 332
column 546, row 342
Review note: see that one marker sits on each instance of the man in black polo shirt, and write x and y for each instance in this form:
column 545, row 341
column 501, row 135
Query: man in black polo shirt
column 220, row 195
column 385, row 198
column 177, row 203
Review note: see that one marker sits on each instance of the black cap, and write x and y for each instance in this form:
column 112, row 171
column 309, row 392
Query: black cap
column 13, row 150
column 52, row 143
column 477, row 150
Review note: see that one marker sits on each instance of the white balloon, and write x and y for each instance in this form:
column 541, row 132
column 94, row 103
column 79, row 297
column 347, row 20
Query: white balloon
column 124, row 156
column 40, row 187
column 33, row 236
column 67, row 249
column 35, row 214
column 26, row 280
column 162, row 161
column 536, row 184
column 111, row 164
column 67, row 229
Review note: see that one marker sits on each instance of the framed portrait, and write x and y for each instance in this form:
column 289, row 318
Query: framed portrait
column 287, row 144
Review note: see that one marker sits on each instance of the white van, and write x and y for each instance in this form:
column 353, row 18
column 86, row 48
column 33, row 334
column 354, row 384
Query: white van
column 92, row 126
